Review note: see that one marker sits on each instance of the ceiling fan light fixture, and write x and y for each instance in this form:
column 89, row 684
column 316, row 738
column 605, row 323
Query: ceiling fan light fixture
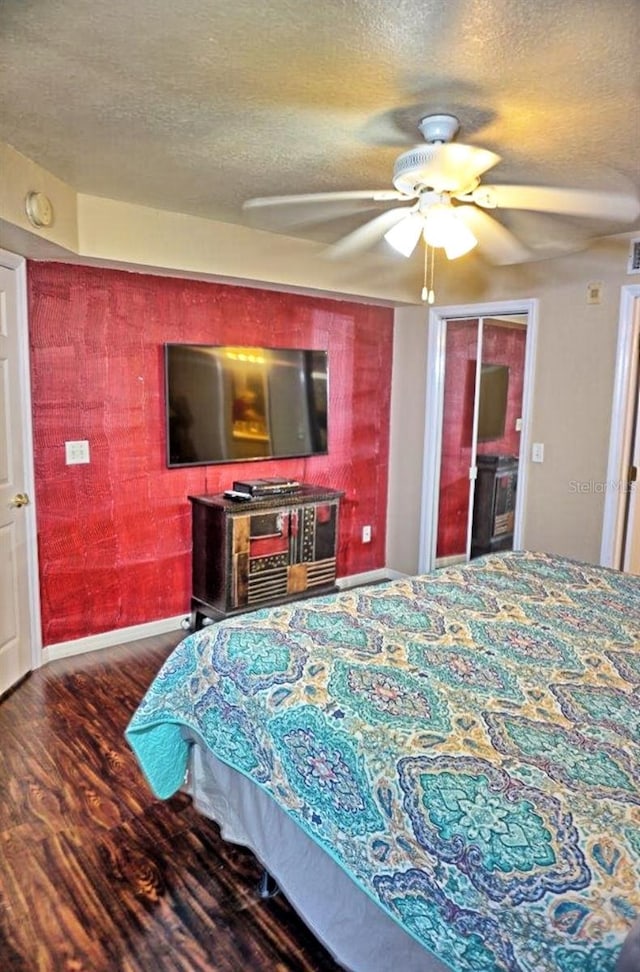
column 404, row 236
column 443, row 228
column 463, row 243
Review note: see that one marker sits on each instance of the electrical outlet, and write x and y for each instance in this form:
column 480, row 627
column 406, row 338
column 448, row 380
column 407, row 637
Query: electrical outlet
column 76, row 452
column 366, row 534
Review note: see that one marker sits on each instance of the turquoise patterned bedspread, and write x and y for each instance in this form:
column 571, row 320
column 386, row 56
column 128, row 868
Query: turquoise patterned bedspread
column 466, row 746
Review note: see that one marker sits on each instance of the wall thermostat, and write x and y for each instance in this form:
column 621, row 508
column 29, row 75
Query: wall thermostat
column 39, row 209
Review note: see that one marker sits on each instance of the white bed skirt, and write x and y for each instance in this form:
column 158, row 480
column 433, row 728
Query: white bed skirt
column 354, row 929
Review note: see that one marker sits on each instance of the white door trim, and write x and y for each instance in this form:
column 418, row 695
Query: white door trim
column 11, row 261
column 631, row 535
column 434, row 410
column 621, row 420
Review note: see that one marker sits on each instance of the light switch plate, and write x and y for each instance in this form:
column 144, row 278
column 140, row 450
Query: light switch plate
column 76, row 452
column 537, row 452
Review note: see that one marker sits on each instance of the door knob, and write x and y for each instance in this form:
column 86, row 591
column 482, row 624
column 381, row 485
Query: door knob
column 20, row 499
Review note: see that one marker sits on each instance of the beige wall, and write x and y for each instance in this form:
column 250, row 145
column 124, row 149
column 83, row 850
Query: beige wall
column 573, row 391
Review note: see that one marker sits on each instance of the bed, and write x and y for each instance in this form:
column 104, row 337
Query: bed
column 442, row 772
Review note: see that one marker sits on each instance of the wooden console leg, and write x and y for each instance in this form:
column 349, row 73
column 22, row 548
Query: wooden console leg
column 197, row 619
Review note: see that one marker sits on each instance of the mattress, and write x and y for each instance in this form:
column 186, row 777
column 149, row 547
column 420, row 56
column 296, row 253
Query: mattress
column 464, row 747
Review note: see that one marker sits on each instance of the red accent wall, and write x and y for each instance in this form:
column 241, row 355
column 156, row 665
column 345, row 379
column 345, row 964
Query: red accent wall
column 115, row 535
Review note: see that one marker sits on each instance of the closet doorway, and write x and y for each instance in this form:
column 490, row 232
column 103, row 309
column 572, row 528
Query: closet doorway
column 621, row 526
column 631, row 522
column 476, row 435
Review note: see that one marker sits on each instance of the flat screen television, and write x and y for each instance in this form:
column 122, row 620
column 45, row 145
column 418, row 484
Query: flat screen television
column 492, row 407
column 237, row 404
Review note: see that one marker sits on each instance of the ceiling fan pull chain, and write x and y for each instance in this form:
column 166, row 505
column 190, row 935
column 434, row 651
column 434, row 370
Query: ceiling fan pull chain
column 425, row 292
column 428, row 296
column 432, row 296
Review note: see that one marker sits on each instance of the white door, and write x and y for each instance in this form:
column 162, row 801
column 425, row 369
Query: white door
column 620, row 546
column 15, row 633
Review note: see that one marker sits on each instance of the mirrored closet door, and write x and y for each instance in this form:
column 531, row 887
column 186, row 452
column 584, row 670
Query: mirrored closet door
column 484, row 366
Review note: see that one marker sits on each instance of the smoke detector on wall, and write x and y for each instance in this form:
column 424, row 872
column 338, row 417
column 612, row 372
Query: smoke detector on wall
column 38, row 209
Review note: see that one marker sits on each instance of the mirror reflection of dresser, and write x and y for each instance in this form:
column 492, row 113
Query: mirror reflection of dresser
column 494, row 504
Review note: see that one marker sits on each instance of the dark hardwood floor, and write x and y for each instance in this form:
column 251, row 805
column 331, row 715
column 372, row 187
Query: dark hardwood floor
column 96, row 874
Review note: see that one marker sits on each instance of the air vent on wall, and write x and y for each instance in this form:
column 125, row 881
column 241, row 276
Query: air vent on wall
column 634, row 256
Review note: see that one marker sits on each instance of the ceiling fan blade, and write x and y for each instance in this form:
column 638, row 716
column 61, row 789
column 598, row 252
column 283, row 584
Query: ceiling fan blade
column 455, row 166
column 375, row 195
column 279, row 219
column 566, row 202
column 548, row 235
column 494, row 240
column 368, row 234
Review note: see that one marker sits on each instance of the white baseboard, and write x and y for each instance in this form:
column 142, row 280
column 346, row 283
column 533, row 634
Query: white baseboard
column 120, row 636
column 108, row 639
column 451, row 561
column 368, row 577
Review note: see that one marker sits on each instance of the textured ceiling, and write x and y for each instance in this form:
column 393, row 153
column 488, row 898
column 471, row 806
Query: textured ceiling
column 194, row 107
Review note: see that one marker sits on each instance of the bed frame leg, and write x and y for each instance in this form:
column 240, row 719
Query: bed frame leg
column 267, row 887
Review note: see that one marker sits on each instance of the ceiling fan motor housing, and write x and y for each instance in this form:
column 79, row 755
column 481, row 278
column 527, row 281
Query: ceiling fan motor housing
column 412, row 169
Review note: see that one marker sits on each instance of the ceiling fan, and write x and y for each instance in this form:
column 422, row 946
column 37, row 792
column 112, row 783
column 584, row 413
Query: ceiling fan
column 443, row 200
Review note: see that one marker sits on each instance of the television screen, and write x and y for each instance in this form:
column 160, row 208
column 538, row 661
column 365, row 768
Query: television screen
column 235, row 404
column 492, row 407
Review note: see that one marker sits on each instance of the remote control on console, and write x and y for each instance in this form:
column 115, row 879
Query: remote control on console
column 237, row 496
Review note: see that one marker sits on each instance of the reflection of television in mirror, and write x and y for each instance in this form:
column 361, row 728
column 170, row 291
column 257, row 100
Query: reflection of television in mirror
column 236, row 404
column 492, row 407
